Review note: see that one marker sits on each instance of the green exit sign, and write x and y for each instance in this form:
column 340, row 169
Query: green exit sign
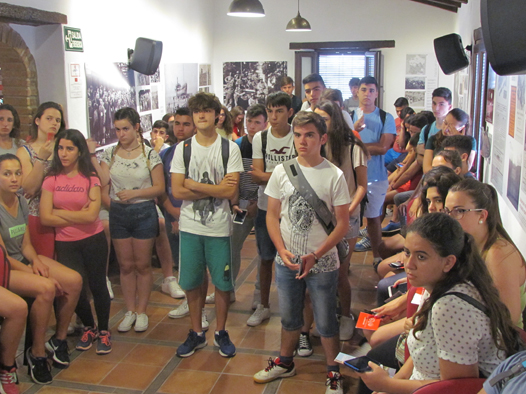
column 73, row 39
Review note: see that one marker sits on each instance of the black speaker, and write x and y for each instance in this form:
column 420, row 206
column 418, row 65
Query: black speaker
column 450, row 53
column 146, row 56
column 504, row 32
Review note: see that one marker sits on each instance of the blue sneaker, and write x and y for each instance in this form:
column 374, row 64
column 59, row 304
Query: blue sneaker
column 193, row 342
column 391, row 229
column 226, row 347
column 363, row 232
column 363, row 245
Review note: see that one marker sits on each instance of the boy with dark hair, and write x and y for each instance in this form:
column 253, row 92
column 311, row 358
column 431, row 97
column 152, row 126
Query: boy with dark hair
column 441, row 105
column 352, row 102
column 463, row 144
column 314, row 87
column 205, row 175
column 159, row 135
column 287, row 86
column 299, row 237
column 269, row 148
column 378, row 132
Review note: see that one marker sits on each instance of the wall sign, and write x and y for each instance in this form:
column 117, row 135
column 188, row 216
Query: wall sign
column 73, row 39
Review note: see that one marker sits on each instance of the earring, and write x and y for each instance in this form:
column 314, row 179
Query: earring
column 481, row 221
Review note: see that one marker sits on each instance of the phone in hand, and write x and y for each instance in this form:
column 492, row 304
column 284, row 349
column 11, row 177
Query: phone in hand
column 360, row 364
column 397, row 265
column 50, row 136
column 239, row 217
column 299, row 261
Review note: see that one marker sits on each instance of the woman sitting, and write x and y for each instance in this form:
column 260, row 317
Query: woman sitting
column 462, row 328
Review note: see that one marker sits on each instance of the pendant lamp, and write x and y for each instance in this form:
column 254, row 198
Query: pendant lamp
column 246, row 9
column 298, row 23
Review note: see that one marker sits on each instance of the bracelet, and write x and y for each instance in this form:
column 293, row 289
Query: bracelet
column 40, row 160
column 315, row 257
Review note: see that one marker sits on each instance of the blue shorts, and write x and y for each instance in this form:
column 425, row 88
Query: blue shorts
column 266, row 249
column 197, row 252
column 291, row 295
column 137, row 221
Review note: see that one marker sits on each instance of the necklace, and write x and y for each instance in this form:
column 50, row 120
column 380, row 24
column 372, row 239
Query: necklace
column 130, row 150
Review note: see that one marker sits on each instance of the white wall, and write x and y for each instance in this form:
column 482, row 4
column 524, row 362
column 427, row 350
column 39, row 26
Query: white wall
column 109, row 28
column 413, row 26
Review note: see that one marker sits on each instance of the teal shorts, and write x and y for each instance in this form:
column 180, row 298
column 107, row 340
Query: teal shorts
column 197, row 252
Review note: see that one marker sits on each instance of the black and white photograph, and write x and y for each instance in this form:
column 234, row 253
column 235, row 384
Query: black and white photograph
column 154, row 91
column 521, row 93
column 180, row 83
column 514, row 173
column 142, row 79
column 145, row 100
column 146, row 123
column 417, row 83
column 205, row 75
column 415, row 65
column 248, row 83
column 416, row 99
column 110, row 86
column 205, row 89
column 155, row 78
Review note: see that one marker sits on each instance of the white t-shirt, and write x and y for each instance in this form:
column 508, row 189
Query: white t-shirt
column 457, row 332
column 130, row 174
column 300, row 229
column 278, row 151
column 208, row 216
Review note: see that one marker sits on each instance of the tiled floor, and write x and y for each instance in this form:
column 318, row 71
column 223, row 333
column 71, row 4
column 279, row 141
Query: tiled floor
column 144, row 363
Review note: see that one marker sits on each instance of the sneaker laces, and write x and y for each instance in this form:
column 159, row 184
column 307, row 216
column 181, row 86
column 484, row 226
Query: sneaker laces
column 304, row 342
column 86, row 334
column 333, row 380
column 271, row 364
column 105, row 339
column 8, row 377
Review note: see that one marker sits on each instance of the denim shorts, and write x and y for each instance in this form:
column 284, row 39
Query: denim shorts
column 266, row 249
column 137, row 221
column 376, row 195
column 354, row 227
column 291, row 295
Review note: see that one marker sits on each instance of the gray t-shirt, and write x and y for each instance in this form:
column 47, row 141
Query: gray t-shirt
column 12, row 229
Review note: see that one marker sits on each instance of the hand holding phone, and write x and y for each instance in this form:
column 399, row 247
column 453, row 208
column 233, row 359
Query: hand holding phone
column 239, row 217
column 360, row 364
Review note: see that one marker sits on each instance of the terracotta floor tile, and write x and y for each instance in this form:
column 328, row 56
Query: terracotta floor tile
column 86, row 371
column 310, row 370
column 189, row 382
column 150, row 355
column 157, row 296
column 116, row 307
column 207, row 359
column 132, row 333
column 118, row 352
column 228, row 384
column 157, row 313
column 246, row 364
column 131, row 376
column 261, row 339
column 170, row 332
column 293, row 386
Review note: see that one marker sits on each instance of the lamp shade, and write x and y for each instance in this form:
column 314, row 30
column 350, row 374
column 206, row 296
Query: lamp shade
column 246, row 9
column 298, row 24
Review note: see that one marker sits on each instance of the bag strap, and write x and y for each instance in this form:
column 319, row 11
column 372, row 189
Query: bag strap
column 187, row 153
column 225, row 153
column 303, row 187
column 264, row 136
column 470, row 300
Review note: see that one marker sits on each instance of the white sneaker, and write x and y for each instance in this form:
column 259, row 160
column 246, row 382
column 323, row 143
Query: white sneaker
column 76, row 326
column 127, row 322
column 110, row 290
column 256, row 300
column 210, row 299
column 304, row 346
column 346, row 327
column 274, row 371
column 261, row 313
column 334, row 383
column 171, row 286
column 141, row 324
column 180, row 311
column 204, row 321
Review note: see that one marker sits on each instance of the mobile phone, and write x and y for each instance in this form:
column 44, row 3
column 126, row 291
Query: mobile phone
column 360, row 364
column 400, row 165
column 50, row 136
column 397, row 265
column 239, row 218
column 298, row 260
column 390, row 291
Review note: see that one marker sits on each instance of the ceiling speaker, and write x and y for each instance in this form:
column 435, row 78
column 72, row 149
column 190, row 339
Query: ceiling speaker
column 450, row 53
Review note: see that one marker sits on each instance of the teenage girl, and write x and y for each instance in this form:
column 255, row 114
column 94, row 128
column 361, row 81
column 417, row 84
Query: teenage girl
column 35, row 276
column 9, row 129
column 36, row 160
column 70, row 202
column 137, row 178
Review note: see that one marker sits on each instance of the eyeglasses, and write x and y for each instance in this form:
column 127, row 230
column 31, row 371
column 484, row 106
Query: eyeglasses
column 458, row 213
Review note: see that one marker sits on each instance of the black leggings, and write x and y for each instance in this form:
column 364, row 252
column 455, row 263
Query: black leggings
column 88, row 257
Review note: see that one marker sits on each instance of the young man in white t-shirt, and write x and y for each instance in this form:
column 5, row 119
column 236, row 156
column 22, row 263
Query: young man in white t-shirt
column 295, row 230
column 204, row 184
column 279, row 148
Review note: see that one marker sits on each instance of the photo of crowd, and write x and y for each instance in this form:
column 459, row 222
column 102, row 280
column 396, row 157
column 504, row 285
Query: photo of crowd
column 249, row 83
column 180, row 84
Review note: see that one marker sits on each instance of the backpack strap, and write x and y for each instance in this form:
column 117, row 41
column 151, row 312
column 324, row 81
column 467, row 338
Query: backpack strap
column 264, row 136
column 383, row 115
column 187, row 153
column 225, row 153
column 426, row 133
column 470, row 300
